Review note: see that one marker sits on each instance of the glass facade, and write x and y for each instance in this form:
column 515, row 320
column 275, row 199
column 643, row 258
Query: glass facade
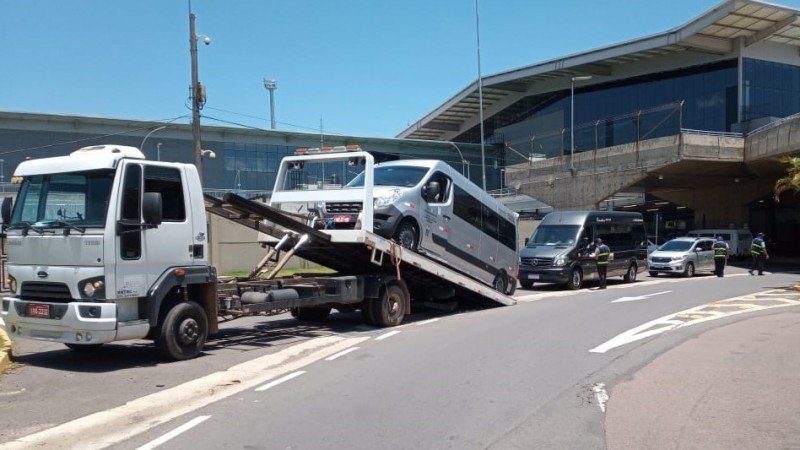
column 703, row 97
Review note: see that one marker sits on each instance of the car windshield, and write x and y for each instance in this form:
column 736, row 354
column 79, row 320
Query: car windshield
column 676, row 246
column 405, row 176
column 554, row 235
column 78, row 199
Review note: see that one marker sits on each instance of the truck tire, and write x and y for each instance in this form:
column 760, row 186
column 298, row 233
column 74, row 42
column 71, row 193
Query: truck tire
column 630, row 275
column 390, row 308
column 407, row 235
column 311, row 314
column 183, row 331
column 575, row 279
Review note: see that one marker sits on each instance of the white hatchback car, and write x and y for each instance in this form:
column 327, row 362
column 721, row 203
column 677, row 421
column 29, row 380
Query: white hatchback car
column 682, row 256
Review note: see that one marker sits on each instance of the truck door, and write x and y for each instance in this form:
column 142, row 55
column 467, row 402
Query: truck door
column 143, row 254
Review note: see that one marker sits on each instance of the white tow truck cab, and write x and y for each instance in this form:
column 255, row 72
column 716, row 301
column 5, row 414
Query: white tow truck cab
column 104, row 246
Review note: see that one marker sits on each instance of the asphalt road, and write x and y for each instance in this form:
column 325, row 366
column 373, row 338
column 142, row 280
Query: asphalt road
column 634, row 366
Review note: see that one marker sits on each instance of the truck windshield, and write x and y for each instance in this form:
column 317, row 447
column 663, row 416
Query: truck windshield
column 554, row 235
column 405, row 176
column 63, row 200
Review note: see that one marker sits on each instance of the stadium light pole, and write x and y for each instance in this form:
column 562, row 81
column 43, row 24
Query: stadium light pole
column 572, row 119
column 198, row 94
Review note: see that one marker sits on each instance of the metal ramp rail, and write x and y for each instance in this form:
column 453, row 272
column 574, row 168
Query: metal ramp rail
column 364, row 252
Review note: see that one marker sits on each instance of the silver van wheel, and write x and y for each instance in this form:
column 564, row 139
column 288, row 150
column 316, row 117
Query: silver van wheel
column 689, row 271
column 500, row 283
column 407, row 235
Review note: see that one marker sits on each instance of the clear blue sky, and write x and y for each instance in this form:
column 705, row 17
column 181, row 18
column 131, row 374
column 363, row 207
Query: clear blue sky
column 354, row 67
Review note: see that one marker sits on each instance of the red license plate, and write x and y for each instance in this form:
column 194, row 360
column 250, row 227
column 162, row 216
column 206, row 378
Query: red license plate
column 341, row 219
column 36, row 310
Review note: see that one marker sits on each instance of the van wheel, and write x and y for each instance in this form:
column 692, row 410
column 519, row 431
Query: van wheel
column 688, row 272
column 526, row 284
column 575, row 279
column 183, row 331
column 512, row 286
column 500, row 283
column 407, row 235
column 630, row 276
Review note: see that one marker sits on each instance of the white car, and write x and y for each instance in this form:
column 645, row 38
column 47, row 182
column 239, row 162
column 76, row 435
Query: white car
column 682, row 256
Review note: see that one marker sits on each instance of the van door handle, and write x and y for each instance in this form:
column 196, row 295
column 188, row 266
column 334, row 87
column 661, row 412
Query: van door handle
column 446, row 217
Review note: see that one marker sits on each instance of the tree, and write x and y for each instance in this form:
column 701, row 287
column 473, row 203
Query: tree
column 791, row 180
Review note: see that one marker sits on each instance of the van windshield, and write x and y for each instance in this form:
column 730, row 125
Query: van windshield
column 554, row 235
column 404, row 176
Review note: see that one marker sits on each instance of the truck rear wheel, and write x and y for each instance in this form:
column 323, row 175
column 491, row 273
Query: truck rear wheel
column 183, row 331
column 390, row 308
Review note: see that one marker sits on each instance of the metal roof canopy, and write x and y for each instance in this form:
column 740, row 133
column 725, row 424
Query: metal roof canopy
column 714, row 32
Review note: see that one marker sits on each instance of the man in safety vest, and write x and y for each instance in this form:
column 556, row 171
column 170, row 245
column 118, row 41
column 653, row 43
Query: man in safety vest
column 600, row 255
column 758, row 250
column 721, row 252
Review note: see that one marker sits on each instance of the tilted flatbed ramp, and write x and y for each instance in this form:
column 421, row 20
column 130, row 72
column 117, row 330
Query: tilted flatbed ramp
column 351, row 251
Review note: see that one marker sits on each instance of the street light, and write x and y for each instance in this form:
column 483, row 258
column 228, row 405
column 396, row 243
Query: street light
column 198, row 94
column 463, row 161
column 572, row 119
column 141, row 147
column 271, row 86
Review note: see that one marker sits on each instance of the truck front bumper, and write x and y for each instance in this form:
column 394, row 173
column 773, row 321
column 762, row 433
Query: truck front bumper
column 69, row 323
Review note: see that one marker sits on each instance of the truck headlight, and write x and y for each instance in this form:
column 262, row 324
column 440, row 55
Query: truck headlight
column 93, row 288
column 387, row 198
column 12, row 284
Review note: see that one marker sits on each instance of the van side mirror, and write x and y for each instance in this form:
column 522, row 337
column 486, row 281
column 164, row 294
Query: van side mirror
column 152, row 212
column 430, row 192
column 5, row 211
column 526, row 240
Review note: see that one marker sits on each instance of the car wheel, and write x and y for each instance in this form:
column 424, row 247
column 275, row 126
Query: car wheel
column 688, row 272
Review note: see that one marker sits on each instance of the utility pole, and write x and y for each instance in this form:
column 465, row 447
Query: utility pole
column 198, row 96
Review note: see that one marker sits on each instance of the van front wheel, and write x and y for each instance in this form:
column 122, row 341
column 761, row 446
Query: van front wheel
column 575, row 279
column 407, row 235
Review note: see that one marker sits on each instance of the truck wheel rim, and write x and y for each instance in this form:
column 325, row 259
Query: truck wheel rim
column 188, row 331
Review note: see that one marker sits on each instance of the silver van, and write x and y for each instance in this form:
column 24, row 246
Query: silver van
column 429, row 207
column 558, row 250
column 683, row 256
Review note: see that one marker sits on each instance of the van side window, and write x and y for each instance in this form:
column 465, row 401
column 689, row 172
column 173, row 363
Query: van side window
column 444, row 187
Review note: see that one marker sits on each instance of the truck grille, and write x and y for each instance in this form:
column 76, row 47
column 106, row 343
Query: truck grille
column 52, row 292
column 343, row 207
column 536, row 262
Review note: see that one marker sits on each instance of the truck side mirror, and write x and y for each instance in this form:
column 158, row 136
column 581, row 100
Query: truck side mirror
column 151, row 208
column 5, row 210
column 430, row 191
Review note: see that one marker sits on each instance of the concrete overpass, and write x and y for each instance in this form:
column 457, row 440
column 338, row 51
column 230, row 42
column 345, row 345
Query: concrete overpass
column 716, row 175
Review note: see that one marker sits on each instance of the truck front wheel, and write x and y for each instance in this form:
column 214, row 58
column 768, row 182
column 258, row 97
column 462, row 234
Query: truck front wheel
column 183, row 331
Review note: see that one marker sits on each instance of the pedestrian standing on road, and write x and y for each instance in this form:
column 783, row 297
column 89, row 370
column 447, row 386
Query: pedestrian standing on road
column 758, row 250
column 721, row 253
column 600, row 255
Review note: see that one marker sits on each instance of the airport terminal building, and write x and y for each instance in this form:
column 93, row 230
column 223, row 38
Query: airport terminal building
column 685, row 125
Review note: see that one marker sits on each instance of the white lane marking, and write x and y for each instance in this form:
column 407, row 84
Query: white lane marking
column 696, row 315
column 601, row 395
column 181, row 429
column 640, row 297
column 342, row 353
column 425, row 322
column 274, row 383
column 106, row 428
column 387, row 335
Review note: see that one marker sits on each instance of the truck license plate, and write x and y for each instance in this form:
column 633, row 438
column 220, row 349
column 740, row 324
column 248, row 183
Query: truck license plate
column 341, row 218
column 37, row 310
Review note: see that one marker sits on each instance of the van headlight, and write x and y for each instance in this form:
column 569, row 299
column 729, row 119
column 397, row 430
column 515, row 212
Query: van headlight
column 678, row 258
column 560, row 261
column 387, row 198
